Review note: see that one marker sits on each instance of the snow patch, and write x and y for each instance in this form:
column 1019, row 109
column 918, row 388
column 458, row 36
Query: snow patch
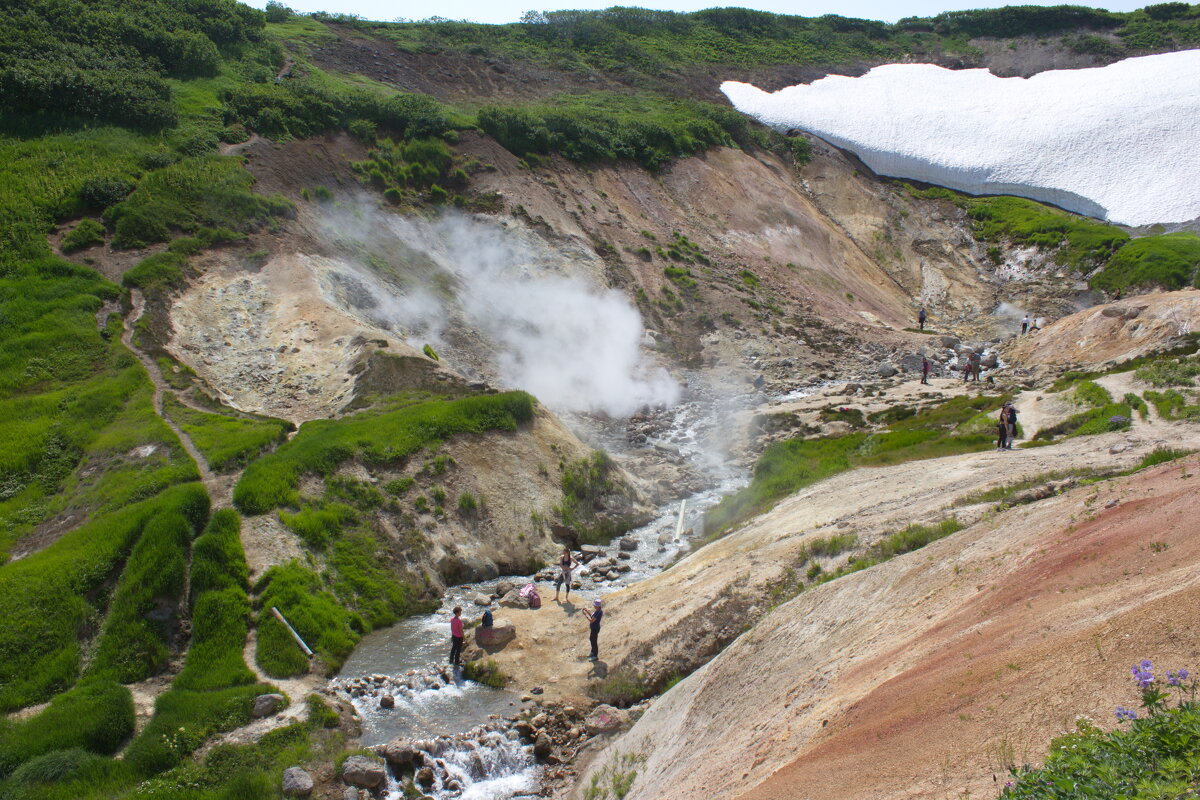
column 1117, row 142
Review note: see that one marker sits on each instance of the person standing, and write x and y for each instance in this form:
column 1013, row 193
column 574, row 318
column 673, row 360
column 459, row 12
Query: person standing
column 925, row 366
column 1024, row 324
column 566, row 565
column 1002, row 429
column 456, row 636
column 593, row 617
column 921, row 318
column 1011, row 424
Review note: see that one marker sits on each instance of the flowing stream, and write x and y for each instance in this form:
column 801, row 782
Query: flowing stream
column 460, row 728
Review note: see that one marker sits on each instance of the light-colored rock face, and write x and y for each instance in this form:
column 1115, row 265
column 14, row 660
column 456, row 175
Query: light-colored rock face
column 273, row 341
column 1065, row 137
column 927, row 675
column 1113, row 332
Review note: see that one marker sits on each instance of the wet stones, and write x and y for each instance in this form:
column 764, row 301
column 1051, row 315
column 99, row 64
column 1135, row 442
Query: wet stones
column 543, row 747
column 363, row 772
column 387, row 701
column 628, row 544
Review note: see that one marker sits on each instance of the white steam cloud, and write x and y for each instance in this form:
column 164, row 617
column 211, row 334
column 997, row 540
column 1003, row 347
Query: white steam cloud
column 496, row 298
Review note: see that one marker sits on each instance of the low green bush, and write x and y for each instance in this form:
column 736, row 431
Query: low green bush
column 1170, row 261
column 915, row 537
column 157, row 273
column 315, row 612
column 218, row 561
column 87, row 233
column 318, row 526
column 1161, row 455
column 1075, row 241
column 1169, row 372
column 96, row 716
column 1091, row 395
column 1107, row 418
column 1137, row 404
column 377, row 437
column 184, row 720
column 46, row 599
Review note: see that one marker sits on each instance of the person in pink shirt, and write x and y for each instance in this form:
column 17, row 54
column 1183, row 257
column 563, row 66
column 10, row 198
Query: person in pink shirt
column 456, row 636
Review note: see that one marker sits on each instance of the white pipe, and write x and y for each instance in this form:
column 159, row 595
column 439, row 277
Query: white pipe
column 679, row 524
column 292, row 631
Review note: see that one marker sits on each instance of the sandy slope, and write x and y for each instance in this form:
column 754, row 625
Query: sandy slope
column 925, row 676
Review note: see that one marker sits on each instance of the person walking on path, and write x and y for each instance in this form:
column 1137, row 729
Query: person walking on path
column 593, row 617
column 921, row 318
column 566, row 565
column 1002, row 429
column 1024, row 324
column 925, row 366
column 456, row 637
column 1010, row 423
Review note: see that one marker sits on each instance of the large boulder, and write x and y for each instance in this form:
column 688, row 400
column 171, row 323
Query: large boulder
column 504, row 587
column 948, row 342
column 363, row 771
column 267, row 704
column 542, row 746
column 482, row 600
column 399, row 752
column 989, row 360
column 297, row 782
column 514, row 600
column 605, row 719
column 501, row 633
column 885, row 370
column 628, row 544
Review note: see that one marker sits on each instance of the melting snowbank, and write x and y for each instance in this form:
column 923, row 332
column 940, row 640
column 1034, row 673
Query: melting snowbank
column 1116, row 142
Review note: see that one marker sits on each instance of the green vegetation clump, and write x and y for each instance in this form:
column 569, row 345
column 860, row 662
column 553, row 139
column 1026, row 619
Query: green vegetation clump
column 1076, row 241
column 1137, row 404
column 486, row 672
column 85, row 234
column 1091, row 395
column 317, row 526
column 376, row 437
column 49, row 597
column 1170, row 261
column 314, row 611
column 135, row 641
column 606, row 126
column 96, row 716
column 1161, row 455
column 1103, row 419
column 960, row 425
column 206, row 191
column 226, row 442
column 585, row 483
column 1169, row 372
column 407, row 168
column 1172, row 405
column 1155, row 757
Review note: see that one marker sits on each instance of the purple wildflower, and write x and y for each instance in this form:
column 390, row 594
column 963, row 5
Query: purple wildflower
column 1125, row 714
column 1146, row 665
column 1142, row 674
column 1183, row 674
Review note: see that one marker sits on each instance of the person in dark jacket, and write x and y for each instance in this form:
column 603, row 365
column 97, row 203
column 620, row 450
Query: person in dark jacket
column 1002, row 429
column 925, row 367
column 921, row 318
column 593, row 617
column 1011, row 424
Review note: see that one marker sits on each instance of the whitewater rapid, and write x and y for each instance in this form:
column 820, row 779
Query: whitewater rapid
column 1118, row 143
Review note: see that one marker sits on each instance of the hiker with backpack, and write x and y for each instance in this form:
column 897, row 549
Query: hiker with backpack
column 1010, row 423
column 1002, row 429
column 566, row 565
column 925, row 367
column 921, row 318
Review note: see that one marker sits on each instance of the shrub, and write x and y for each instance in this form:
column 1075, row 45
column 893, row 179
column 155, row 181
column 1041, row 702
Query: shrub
column 1170, row 261
column 1091, row 395
column 96, row 716
column 486, row 672
column 87, row 233
column 318, row 526
column 1169, row 372
column 1161, row 455
column 157, row 273
column 313, row 611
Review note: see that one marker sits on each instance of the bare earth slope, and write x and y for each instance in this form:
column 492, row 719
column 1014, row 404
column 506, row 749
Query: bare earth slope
column 927, row 675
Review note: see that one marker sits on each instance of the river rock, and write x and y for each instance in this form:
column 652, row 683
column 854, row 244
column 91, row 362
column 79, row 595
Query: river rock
column 628, row 544
column 399, row 752
column 504, row 587
column 501, row 633
column 514, row 600
column 589, row 552
column 948, row 342
column 542, row 747
column 363, row 771
column 989, row 361
column 482, row 600
column 425, row 776
column 605, row 719
column 387, row 701
column 267, row 704
column 297, row 782
column 612, row 574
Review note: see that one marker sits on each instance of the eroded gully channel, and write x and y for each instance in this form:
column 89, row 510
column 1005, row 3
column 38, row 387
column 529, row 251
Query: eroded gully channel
column 461, row 730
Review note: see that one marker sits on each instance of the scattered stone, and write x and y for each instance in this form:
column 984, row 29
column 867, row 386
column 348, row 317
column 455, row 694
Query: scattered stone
column 536, row 690
column 297, row 782
column 267, row 704
column 363, row 772
column 886, row 370
column 501, row 633
column 1112, row 503
column 482, row 600
column 504, row 587
column 387, row 701
column 948, row 342
column 350, row 793
column 542, row 747
column 628, row 545
column 514, row 600
column 399, row 752
column 624, row 556
column 1118, row 448
column 425, row 776
column 605, row 719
